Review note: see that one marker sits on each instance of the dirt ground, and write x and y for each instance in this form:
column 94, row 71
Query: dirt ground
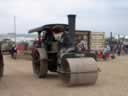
column 18, row 80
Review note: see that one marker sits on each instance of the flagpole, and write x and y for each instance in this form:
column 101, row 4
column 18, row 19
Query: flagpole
column 15, row 29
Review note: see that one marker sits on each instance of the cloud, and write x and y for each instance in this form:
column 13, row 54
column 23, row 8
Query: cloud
column 96, row 15
column 45, row 8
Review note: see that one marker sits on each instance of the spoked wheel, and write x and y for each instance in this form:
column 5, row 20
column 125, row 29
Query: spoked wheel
column 40, row 66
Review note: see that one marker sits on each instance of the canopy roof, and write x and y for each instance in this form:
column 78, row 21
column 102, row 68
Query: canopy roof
column 48, row 26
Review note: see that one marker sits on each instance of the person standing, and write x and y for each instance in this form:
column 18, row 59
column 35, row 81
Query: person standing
column 119, row 50
column 106, row 52
column 13, row 52
column 82, row 45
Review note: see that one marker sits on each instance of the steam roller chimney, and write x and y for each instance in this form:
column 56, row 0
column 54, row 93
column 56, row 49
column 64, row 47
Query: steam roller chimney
column 71, row 23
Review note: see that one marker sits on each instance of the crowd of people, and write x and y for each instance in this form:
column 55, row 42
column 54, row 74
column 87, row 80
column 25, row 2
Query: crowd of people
column 120, row 49
column 112, row 51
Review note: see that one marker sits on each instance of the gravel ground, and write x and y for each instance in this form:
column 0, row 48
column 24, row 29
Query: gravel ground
column 18, row 80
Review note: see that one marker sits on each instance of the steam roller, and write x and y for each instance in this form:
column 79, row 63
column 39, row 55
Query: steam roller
column 56, row 51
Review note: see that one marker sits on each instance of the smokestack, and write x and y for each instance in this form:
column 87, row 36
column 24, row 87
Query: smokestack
column 71, row 23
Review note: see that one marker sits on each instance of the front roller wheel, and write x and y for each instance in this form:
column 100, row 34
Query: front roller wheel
column 79, row 71
column 40, row 65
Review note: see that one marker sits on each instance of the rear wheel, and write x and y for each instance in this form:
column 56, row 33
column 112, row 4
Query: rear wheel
column 1, row 71
column 40, row 66
column 1, row 66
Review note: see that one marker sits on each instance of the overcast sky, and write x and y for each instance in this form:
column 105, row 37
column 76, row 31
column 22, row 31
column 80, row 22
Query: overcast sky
column 96, row 15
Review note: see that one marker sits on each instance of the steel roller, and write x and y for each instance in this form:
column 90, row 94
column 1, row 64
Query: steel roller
column 80, row 71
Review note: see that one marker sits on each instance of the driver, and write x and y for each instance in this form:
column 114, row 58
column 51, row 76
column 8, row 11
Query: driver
column 58, row 33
